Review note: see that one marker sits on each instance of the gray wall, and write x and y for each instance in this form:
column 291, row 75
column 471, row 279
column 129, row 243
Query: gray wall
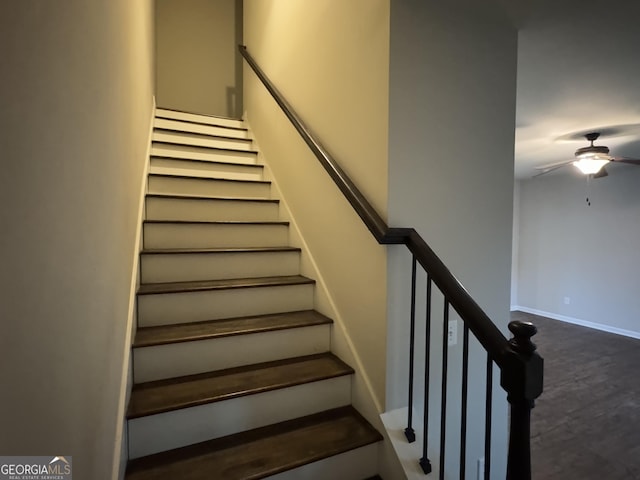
column 77, row 82
column 452, row 118
column 197, row 65
column 515, row 252
column 586, row 253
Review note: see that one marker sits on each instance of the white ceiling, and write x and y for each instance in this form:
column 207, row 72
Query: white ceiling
column 578, row 71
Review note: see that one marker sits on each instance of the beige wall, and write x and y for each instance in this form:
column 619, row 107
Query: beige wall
column 77, row 96
column 330, row 60
column 197, row 66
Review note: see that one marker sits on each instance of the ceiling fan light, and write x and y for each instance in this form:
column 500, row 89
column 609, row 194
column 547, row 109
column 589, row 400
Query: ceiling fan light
column 590, row 164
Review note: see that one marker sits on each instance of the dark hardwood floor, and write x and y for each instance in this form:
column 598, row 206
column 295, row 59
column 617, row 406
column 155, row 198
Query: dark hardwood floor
column 586, row 424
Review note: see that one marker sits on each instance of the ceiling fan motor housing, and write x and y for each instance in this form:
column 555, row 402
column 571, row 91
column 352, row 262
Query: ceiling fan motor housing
column 594, row 149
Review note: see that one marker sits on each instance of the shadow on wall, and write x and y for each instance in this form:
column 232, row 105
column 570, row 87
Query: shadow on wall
column 233, row 109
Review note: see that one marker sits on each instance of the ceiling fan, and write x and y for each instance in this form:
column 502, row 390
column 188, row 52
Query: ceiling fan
column 590, row 160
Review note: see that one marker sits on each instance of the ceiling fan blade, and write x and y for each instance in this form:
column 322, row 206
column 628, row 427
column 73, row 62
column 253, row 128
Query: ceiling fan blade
column 554, row 165
column 549, row 169
column 631, row 161
column 602, row 173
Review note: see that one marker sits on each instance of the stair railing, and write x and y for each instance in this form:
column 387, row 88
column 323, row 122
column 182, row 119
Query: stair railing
column 521, row 367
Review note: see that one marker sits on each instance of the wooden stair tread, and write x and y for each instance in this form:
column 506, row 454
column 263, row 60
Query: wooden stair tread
column 221, row 149
column 163, row 251
column 204, row 197
column 160, row 114
column 186, row 332
column 202, row 285
column 216, row 222
column 160, row 396
column 261, row 452
column 212, row 162
column 217, row 179
column 200, row 134
column 206, row 124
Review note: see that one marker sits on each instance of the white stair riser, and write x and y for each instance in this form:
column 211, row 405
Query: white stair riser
column 182, row 267
column 201, row 141
column 205, row 169
column 148, row 435
column 194, row 186
column 165, row 309
column 194, row 117
column 197, row 128
column 196, row 153
column 187, row 358
column 355, row 464
column 189, row 209
column 162, row 235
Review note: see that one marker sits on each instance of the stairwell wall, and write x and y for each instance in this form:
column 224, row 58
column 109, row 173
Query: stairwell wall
column 198, row 68
column 451, row 138
column 78, row 84
column 330, row 60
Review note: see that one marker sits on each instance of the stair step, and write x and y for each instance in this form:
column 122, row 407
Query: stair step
column 227, row 284
column 148, row 435
column 189, row 332
column 180, row 265
column 184, row 349
column 164, row 251
column 189, row 134
column 162, row 135
column 164, row 149
column 177, row 184
column 206, row 168
column 195, row 127
column 187, row 302
column 212, row 198
column 263, row 451
column 176, row 393
column 169, row 113
column 201, row 208
column 172, row 234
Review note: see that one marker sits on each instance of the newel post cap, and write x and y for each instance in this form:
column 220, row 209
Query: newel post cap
column 522, row 376
column 522, row 333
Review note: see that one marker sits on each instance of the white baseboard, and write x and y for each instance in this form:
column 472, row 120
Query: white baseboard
column 120, row 455
column 578, row 321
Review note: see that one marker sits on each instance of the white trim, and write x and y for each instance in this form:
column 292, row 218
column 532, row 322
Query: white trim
column 577, row 321
column 120, row 459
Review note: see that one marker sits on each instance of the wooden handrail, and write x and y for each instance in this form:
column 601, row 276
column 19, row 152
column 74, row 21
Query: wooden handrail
column 470, row 312
column 521, row 368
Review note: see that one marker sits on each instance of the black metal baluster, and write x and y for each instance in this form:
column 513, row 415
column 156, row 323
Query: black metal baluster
column 488, row 412
column 409, row 432
column 463, row 414
column 443, row 405
column 425, row 463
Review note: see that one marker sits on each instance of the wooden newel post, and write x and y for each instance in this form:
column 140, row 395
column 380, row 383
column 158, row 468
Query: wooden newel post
column 522, row 379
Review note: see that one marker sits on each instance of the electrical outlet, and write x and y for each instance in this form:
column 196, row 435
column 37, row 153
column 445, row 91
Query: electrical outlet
column 481, row 468
column 567, row 300
column 453, row 332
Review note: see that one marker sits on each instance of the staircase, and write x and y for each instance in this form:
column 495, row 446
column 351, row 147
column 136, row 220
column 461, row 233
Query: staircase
column 233, row 373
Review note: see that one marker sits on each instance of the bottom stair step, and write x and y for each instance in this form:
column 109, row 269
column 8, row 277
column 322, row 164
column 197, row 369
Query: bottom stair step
column 263, row 451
